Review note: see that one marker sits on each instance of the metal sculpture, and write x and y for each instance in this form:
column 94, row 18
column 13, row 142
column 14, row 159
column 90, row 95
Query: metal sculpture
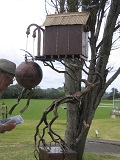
column 42, row 149
column 28, row 74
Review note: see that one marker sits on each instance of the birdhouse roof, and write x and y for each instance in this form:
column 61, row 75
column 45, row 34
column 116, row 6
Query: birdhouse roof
column 67, row 19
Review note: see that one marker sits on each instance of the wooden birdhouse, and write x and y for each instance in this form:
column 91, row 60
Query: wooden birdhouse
column 66, row 36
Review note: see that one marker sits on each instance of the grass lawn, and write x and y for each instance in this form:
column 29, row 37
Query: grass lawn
column 108, row 129
column 19, row 144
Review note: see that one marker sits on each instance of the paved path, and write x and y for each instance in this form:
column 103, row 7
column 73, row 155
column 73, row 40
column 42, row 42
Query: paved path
column 100, row 146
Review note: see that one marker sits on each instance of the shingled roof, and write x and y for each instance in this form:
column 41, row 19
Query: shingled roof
column 67, row 19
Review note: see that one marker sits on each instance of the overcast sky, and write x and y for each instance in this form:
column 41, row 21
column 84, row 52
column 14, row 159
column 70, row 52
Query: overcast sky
column 15, row 16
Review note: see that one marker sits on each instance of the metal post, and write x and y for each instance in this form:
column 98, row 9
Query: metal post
column 6, row 112
column 39, row 42
column 113, row 97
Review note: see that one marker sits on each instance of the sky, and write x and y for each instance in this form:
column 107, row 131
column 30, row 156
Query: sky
column 15, row 17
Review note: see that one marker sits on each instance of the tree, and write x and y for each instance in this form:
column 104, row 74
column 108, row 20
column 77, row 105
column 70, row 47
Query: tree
column 38, row 93
column 12, row 91
column 82, row 104
column 114, row 94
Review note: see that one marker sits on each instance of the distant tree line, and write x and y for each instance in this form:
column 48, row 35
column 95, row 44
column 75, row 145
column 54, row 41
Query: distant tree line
column 113, row 94
column 14, row 91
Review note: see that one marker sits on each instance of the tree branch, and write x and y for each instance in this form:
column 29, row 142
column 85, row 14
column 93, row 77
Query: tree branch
column 112, row 78
column 100, row 17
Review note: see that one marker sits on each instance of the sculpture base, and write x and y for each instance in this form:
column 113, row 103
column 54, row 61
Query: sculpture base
column 56, row 153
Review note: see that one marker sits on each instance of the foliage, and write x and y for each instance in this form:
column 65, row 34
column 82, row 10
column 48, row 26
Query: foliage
column 113, row 94
column 14, row 91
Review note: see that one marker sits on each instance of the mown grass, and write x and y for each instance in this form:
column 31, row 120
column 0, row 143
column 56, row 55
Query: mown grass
column 107, row 128
column 35, row 109
column 19, row 144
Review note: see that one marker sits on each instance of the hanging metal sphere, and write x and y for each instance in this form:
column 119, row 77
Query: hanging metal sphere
column 28, row 74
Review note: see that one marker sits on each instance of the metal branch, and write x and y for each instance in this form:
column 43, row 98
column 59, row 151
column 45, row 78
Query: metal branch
column 29, row 95
column 28, row 54
column 75, row 98
column 95, row 73
column 52, row 66
column 84, row 128
column 18, row 100
column 72, row 64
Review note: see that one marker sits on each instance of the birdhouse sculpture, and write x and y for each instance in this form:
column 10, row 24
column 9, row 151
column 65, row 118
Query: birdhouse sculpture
column 66, row 35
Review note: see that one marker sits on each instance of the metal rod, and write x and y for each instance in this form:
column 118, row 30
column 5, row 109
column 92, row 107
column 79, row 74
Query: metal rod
column 39, row 42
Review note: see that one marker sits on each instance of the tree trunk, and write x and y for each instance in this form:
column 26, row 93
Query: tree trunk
column 71, row 86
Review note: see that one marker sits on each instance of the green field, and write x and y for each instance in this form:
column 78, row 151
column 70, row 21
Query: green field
column 37, row 107
column 19, row 144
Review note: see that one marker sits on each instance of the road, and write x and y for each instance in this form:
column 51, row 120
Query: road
column 100, row 146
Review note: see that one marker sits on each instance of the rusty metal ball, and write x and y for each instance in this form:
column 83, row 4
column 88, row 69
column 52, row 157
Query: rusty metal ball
column 28, row 74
